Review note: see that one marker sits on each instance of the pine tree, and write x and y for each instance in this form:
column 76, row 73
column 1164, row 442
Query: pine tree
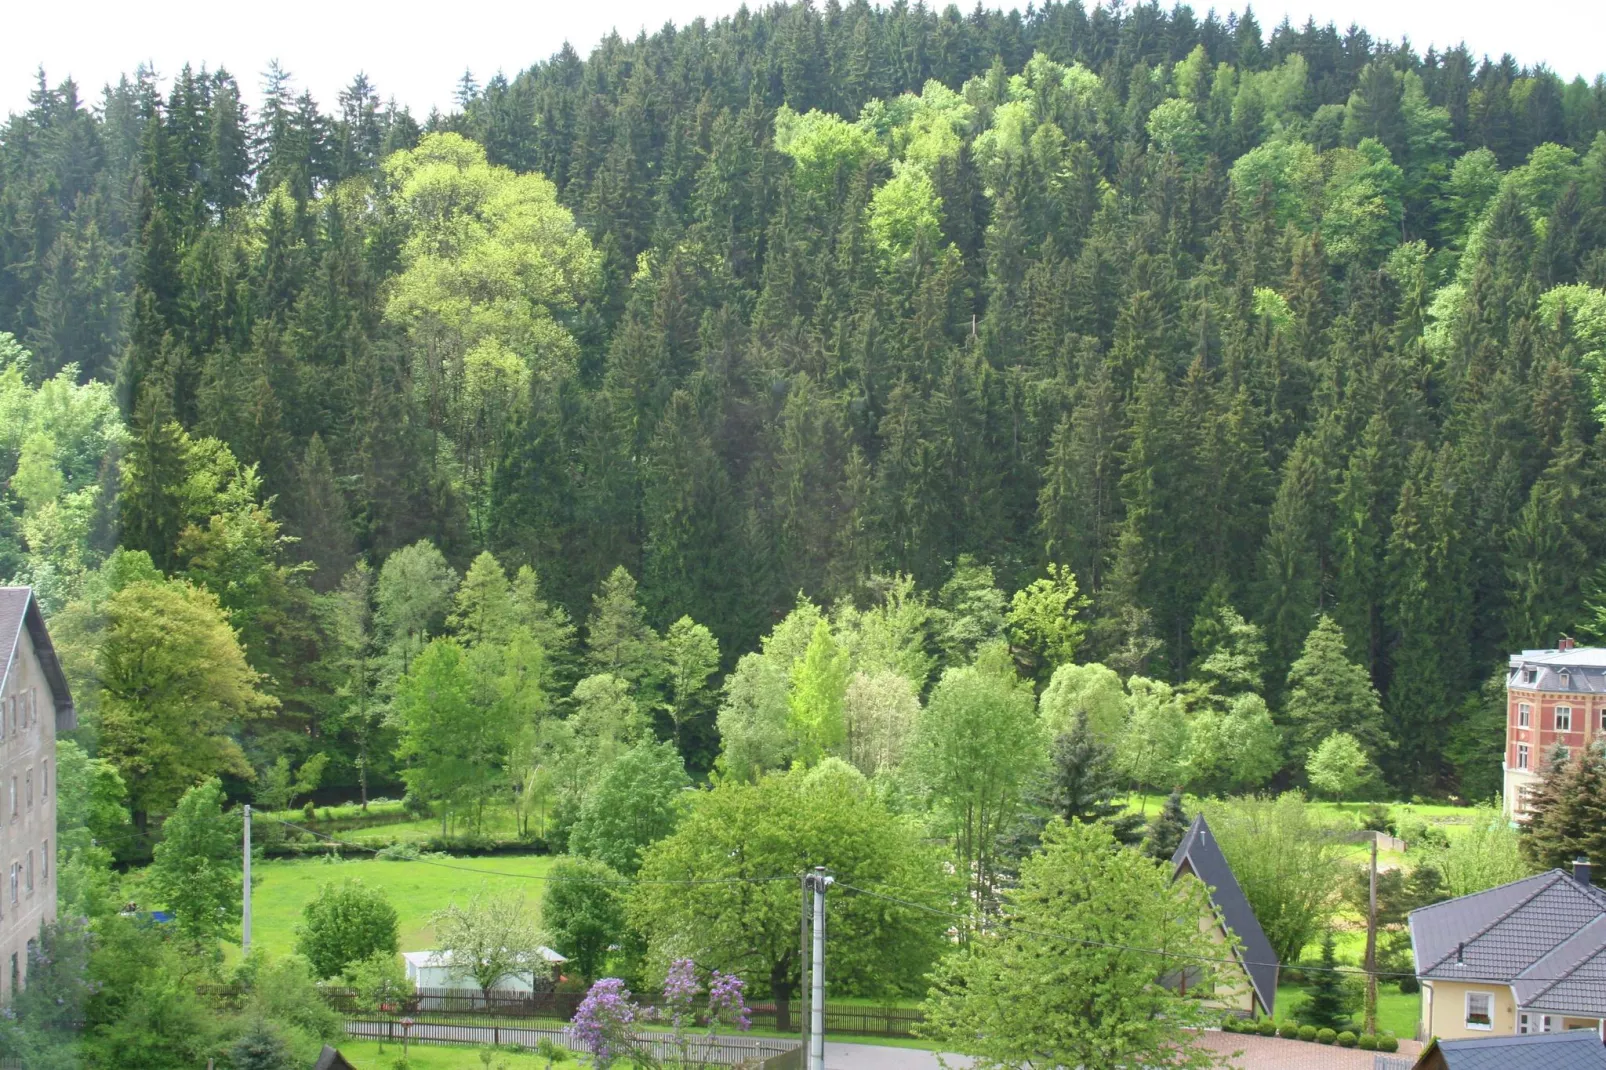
column 1165, row 832
column 618, row 638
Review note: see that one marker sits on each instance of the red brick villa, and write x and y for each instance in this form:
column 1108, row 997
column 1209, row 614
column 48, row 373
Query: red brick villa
column 1552, row 697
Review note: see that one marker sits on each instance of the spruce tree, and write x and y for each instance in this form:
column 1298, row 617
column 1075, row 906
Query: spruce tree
column 1327, row 1005
column 1083, row 782
column 1165, row 832
column 1329, row 693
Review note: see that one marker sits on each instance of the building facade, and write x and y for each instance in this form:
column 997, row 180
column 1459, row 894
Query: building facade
column 1553, row 697
column 34, row 706
column 1521, row 958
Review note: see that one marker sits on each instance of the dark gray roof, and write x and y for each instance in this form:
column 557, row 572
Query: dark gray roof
column 330, row 1059
column 1578, row 1050
column 1498, row 934
column 1202, row 855
column 1571, row 979
column 19, row 609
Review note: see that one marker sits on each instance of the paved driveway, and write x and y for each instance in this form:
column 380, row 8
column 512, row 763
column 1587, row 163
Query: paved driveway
column 1274, row 1053
column 879, row 1057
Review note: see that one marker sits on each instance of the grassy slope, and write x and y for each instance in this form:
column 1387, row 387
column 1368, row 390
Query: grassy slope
column 416, row 890
column 365, row 1055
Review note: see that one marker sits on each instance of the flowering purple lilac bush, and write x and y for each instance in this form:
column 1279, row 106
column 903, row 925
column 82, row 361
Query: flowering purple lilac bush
column 605, row 1023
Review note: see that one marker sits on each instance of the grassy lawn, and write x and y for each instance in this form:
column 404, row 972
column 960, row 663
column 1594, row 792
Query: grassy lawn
column 416, row 890
column 365, row 1055
column 1396, row 1013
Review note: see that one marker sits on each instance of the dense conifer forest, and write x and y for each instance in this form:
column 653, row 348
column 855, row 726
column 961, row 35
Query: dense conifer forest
column 873, row 307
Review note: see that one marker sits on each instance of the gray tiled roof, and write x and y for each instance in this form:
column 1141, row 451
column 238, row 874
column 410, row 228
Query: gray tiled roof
column 19, row 609
column 1580, row 1050
column 1571, row 979
column 1584, row 669
column 1498, row 934
column 1203, row 856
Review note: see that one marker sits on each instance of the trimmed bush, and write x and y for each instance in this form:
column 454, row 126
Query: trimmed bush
column 1387, row 1042
column 1346, row 1039
column 1289, row 1030
column 1325, row 1036
column 1231, row 1024
column 1307, row 1032
column 1267, row 1028
column 1367, row 1042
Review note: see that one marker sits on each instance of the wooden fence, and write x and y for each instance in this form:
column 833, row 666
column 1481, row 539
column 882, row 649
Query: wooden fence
column 561, row 1007
column 450, row 1029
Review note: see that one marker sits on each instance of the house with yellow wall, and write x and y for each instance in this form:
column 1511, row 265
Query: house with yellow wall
column 1525, row 957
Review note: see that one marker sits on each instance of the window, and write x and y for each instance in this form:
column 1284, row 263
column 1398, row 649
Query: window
column 1533, row 1023
column 27, row 880
column 1522, row 755
column 1524, row 712
column 28, row 787
column 1480, row 1010
column 1563, row 753
column 44, row 779
column 33, row 705
column 13, row 796
column 1530, row 675
column 44, row 860
column 1566, row 681
column 16, row 881
column 1564, row 718
column 16, row 974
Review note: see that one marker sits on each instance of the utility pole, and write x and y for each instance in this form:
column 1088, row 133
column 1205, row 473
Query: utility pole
column 803, row 964
column 1371, row 944
column 818, row 883
column 245, row 910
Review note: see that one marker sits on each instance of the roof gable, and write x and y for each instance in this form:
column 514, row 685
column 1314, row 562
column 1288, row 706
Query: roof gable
column 18, row 610
column 1498, row 934
column 1202, row 856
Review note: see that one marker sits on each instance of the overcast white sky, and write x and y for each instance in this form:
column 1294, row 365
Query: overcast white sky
column 416, row 51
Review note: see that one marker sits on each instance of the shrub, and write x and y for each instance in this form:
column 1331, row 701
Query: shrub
column 398, row 852
column 1230, row 1024
column 1378, row 818
column 1307, row 1032
column 346, row 923
column 1346, row 1039
column 1387, row 1042
column 1289, row 1029
column 1367, row 1042
column 309, row 811
column 1325, row 1036
column 1267, row 1028
column 1410, row 986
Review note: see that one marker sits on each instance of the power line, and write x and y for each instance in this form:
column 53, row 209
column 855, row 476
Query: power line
column 529, row 876
column 1083, row 942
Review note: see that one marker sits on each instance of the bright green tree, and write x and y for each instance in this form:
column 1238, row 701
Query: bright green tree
column 819, row 681
column 976, row 751
column 1076, row 975
column 344, row 924
column 174, row 685
column 778, row 827
column 584, row 909
column 691, row 655
column 634, row 803
column 1042, row 622
column 196, row 871
column 1339, row 766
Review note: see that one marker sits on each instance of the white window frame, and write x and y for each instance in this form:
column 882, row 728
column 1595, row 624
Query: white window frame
column 1467, row 1016
column 1524, row 714
column 1530, row 676
column 1562, row 711
column 1522, row 755
column 1541, row 1020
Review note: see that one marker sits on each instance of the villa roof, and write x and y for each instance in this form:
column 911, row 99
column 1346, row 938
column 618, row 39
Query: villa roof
column 1500, row 935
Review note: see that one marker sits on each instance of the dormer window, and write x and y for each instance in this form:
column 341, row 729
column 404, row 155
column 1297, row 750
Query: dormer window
column 1530, row 676
column 1566, row 681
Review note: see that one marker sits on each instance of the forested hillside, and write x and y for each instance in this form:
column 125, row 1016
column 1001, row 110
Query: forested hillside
column 1239, row 328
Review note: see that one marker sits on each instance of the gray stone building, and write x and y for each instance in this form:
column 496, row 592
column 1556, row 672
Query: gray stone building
column 34, row 706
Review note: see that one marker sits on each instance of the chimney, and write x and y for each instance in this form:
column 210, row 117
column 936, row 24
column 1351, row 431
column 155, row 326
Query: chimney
column 1566, row 643
column 1581, row 870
